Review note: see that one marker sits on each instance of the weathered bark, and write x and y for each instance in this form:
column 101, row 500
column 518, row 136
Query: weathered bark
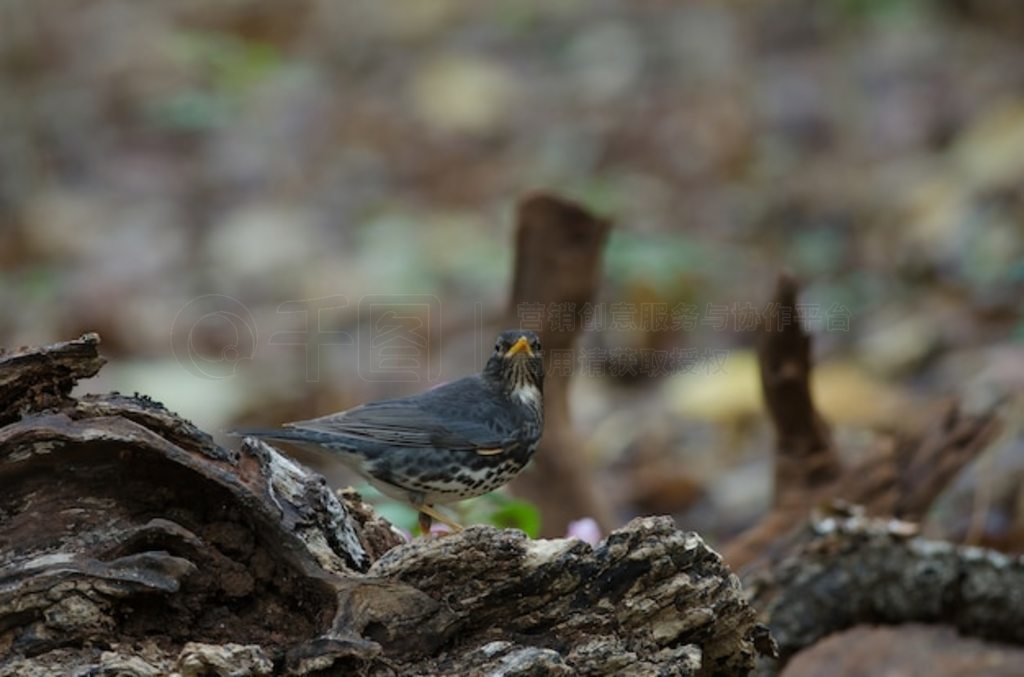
column 846, row 570
column 41, row 378
column 133, row 544
column 558, row 266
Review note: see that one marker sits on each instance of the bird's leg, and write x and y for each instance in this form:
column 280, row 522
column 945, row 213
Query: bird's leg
column 428, row 511
column 425, row 521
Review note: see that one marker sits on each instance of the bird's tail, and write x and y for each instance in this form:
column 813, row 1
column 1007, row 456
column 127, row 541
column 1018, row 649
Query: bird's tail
column 301, row 435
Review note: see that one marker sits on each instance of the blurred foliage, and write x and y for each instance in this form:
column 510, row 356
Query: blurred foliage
column 496, row 508
column 268, row 152
column 227, row 67
column 509, row 513
column 658, row 259
column 233, row 63
column 883, row 10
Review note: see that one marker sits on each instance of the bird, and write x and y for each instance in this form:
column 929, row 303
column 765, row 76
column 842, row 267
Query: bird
column 456, row 441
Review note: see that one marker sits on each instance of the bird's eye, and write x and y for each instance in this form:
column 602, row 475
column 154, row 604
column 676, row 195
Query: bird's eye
column 497, row 347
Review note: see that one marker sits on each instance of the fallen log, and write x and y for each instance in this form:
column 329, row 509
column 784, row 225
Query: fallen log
column 843, row 570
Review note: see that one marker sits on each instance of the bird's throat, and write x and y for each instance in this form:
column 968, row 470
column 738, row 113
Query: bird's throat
column 528, row 394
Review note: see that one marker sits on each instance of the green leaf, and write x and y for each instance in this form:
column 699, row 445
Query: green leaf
column 517, row 515
column 399, row 514
column 496, row 508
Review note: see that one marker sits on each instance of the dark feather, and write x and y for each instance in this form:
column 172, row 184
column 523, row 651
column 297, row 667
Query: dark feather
column 460, row 416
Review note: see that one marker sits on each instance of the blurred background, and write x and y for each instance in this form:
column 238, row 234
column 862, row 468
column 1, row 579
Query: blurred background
column 222, row 190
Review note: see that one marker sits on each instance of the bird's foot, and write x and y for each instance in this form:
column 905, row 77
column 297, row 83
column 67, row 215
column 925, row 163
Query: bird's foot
column 428, row 513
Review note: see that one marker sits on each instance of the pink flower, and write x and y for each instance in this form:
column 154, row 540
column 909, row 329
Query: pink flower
column 586, row 530
column 438, row 529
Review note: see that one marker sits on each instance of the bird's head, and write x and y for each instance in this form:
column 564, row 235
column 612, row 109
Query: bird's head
column 517, row 363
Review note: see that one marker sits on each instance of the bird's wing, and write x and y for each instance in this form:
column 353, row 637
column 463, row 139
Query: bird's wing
column 406, row 423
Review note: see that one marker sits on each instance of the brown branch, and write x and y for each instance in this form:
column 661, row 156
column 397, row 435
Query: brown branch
column 805, row 457
column 558, row 261
column 899, row 479
column 807, row 465
column 902, row 479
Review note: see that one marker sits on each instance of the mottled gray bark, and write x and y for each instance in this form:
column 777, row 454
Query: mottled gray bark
column 847, row 570
column 130, row 543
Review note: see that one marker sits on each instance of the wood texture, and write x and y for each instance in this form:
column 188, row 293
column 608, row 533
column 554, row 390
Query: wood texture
column 805, row 458
column 846, row 569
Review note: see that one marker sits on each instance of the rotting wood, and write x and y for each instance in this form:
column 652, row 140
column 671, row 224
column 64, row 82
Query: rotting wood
column 845, row 569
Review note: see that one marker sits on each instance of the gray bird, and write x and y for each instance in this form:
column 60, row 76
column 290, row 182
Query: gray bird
column 457, row 441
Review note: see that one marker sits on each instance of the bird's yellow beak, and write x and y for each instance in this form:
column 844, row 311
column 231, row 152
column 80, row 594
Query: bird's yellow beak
column 519, row 346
